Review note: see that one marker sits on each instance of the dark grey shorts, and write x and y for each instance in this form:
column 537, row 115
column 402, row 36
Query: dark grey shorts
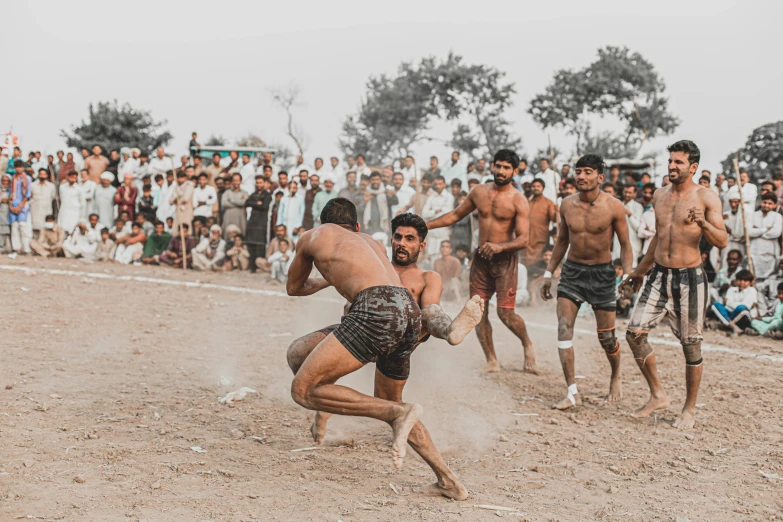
column 593, row 284
column 383, row 325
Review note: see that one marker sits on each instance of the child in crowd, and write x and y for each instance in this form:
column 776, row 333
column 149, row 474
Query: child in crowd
column 770, row 326
column 237, row 257
column 106, row 247
column 5, row 228
column 281, row 260
column 739, row 300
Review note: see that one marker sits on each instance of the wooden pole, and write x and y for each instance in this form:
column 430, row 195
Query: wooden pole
column 181, row 230
column 744, row 216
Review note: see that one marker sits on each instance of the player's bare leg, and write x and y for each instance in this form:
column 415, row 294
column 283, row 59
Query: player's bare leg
column 297, row 353
column 484, row 334
column 517, row 326
column 645, row 359
column 566, row 316
column 440, row 325
column 686, row 420
column 605, row 324
column 314, row 388
column 448, row 485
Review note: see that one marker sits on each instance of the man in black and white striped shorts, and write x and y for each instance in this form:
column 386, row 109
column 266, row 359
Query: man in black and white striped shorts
column 676, row 285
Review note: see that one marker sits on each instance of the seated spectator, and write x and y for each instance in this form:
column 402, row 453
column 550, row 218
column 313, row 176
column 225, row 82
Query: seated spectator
column 146, row 227
column 173, row 254
column 768, row 296
column 50, row 240
column 740, row 299
column 264, row 264
column 523, row 296
column 169, row 224
column 130, row 246
column 81, row 243
column 449, row 268
column 535, row 276
column 237, row 257
column 724, row 278
column 211, row 251
column 106, row 247
column 121, row 228
column 462, row 254
column 280, row 261
column 770, row 326
column 156, row 244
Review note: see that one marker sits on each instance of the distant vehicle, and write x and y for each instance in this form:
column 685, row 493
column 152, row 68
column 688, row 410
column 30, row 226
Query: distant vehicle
column 207, row 151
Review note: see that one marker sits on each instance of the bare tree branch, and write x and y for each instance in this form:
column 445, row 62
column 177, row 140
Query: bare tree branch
column 287, row 98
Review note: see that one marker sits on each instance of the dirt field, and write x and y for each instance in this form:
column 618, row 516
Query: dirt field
column 109, row 389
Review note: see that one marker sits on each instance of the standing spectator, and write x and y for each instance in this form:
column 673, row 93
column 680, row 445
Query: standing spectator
column 308, row 219
column 5, row 227
column 96, row 164
column 749, row 190
column 114, row 165
column 42, row 204
column 194, row 147
column 248, row 173
column 198, row 166
column 454, row 170
column 88, row 186
column 542, row 216
column 147, row 206
column 173, row 254
column 434, row 169
column 404, row 193
column 460, row 232
column 337, row 173
column 156, row 244
column 724, row 278
column 82, row 242
column 361, row 167
column 21, row 228
column 350, row 191
column 482, row 172
column 166, row 209
column 408, row 171
column 214, row 170
column 131, row 164
column 130, row 246
column 259, row 203
column 322, row 198
column 374, row 208
column 633, row 215
column 210, row 253
column 449, row 268
column 439, row 203
column 204, row 197
column 734, row 310
column 50, row 242
column 233, row 203
column 125, row 198
column 319, row 170
column 551, row 180
column 181, row 199
column 161, row 163
column 104, row 200
column 647, row 229
column 291, row 210
column 72, row 203
column 765, row 232
column 67, row 167
column 735, row 224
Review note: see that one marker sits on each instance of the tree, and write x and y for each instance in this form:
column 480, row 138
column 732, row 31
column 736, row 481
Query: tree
column 762, row 153
column 287, row 99
column 251, row 140
column 618, row 84
column 215, row 140
column 114, row 126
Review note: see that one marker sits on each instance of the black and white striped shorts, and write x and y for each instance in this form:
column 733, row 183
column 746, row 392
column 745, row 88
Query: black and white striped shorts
column 682, row 293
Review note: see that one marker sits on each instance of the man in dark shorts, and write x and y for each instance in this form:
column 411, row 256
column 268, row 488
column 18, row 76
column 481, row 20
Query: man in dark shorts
column 677, row 284
column 384, row 320
column 503, row 231
column 588, row 222
column 408, row 234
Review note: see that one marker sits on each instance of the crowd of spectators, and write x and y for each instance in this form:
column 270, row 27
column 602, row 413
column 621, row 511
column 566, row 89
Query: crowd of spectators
column 237, row 212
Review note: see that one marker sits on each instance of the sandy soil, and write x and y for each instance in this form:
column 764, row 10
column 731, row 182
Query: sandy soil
column 108, row 383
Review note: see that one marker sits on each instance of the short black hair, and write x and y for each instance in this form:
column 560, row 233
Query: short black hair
column 769, row 196
column 507, row 155
column 593, row 161
column 649, row 186
column 705, row 178
column 780, row 287
column 744, row 275
column 456, row 182
column 570, row 181
column 20, row 163
column 409, row 219
column 618, row 262
column 734, row 250
column 339, row 211
column 104, row 230
column 439, row 177
column 465, row 249
column 374, row 174
column 688, row 147
column 539, row 180
column 49, row 218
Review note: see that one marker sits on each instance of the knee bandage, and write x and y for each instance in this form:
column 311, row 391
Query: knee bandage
column 639, row 346
column 565, row 345
column 608, row 341
column 692, row 353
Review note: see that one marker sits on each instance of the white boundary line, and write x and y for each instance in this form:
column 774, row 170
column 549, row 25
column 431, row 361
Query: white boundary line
column 273, row 293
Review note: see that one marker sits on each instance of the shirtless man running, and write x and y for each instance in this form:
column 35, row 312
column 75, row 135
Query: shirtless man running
column 677, row 284
column 588, row 222
column 503, row 231
column 408, row 234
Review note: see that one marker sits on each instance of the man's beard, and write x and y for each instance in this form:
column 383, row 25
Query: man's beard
column 411, row 259
column 503, row 183
column 680, row 178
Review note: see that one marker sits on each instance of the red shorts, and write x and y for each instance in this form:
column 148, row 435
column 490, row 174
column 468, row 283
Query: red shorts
column 496, row 275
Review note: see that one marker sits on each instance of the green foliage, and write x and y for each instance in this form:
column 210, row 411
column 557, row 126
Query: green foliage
column 619, row 84
column 762, row 154
column 251, row 140
column 215, row 140
column 114, row 126
column 397, row 111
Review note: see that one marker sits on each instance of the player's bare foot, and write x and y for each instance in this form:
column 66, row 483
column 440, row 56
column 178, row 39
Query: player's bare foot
column 530, row 360
column 318, row 429
column 615, row 391
column 467, row 319
column 492, row 367
column 454, row 491
column 402, row 426
column 566, row 403
column 685, row 421
column 655, row 403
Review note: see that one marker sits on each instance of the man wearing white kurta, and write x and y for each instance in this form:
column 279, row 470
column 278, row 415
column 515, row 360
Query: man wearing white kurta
column 408, row 171
column 82, row 243
column 248, row 173
column 735, row 225
column 204, row 197
column 454, row 170
column 551, row 181
column 165, row 208
column 87, row 186
column 43, row 193
column 439, row 203
column 765, row 232
column 72, row 203
column 291, row 210
column 403, row 192
column 161, row 163
column 104, row 200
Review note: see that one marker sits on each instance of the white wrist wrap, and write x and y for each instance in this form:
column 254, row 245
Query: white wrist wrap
column 625, row 276
column 547, row 275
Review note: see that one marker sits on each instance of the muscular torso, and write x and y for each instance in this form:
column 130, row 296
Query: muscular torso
column 350, row 261
column 497, row 212
column 678, row 237
column 590, row 228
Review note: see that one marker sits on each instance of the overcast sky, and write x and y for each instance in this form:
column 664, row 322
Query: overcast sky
column 208, row 66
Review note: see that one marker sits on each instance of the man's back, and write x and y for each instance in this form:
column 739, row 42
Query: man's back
column 350, row 261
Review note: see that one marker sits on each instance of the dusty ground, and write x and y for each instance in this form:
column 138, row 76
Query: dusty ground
column 106, row 385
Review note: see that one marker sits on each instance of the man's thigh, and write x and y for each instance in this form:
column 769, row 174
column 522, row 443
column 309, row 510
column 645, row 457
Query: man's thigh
column 329, row 361
column 388, row 389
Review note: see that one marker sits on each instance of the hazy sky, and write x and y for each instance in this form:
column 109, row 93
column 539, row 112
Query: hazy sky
column 208, row 66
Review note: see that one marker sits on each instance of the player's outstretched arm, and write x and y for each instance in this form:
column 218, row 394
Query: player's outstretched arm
column 299, row 282
column 446, row 220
